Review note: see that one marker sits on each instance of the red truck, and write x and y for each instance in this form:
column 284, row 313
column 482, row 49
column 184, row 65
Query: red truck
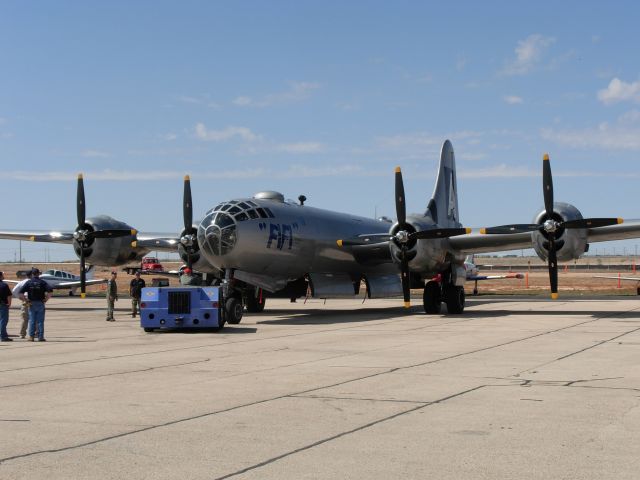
column 151, row 263
column 147, row 265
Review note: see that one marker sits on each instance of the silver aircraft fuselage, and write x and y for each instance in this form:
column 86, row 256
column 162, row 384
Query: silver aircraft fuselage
column 283, row 239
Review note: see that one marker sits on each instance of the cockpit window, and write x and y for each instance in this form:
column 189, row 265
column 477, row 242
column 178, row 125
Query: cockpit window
column 226, row 207
column 269, row 213
column 243, row 205
column 253, row 214
column 262, row 213
column 235, row 209
column 241, row 217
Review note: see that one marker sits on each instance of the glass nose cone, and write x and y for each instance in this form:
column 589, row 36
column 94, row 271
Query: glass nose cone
column 217, row 234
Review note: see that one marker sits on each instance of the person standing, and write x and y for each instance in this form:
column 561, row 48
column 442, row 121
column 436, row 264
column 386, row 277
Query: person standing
column 188, row 278
column 112, row 295
column 38, row 292
column 135, row 290
column 24, row 308
column 5, row 303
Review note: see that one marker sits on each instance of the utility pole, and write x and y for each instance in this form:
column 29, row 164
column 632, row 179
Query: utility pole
column 20, row 257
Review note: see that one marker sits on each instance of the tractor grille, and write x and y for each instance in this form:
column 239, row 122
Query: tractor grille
column 179, row 302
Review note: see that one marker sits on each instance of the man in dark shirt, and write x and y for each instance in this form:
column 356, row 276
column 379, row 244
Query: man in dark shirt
column 112, row 295
column 135, row 290
column 5, row 303
column 38, row 291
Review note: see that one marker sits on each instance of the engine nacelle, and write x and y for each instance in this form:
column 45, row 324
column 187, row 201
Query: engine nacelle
column 109, row 251
column 426, row 257
column 570, row 243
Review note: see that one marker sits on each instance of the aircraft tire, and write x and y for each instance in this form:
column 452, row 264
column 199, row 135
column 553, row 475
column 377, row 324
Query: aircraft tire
column 431, row 297
column 233, row 310
column 454, row 298
column 148, row 329
column 254, row 305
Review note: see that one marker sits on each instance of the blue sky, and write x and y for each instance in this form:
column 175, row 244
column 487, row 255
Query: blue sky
column 321, row 98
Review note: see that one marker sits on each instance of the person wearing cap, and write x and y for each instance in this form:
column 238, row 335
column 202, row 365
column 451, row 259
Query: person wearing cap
column 38, row 292
column 135, row 290
column 112, row 295
column 5, row 303
column 187, row 278
column 24, row 307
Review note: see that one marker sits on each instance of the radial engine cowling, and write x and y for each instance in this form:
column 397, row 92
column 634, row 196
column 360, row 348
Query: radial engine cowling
column 570, row 243
column 108, row 251
column 425, row 256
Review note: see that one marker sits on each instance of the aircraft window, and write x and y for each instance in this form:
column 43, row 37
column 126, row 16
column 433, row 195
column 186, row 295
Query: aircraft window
column 253, row 204
column 243, row 205
column 223, row 221
column 49, row 272
column 233, row 202
column 226, row 207
column 270, row 213
column 262, row 213
column 58, row 274
column 217, row 207
column 253, row 214
column 235, row 209
column 241, row 217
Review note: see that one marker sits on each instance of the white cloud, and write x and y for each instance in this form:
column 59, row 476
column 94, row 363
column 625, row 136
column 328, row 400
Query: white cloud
column 610, row 137
column 94, row 154
column 528, row 54
column 298, row 91
column 203, row 100
column 301, row 147
column 169, row 137
column 512, row 99
column 228, row 133
column 619, row 91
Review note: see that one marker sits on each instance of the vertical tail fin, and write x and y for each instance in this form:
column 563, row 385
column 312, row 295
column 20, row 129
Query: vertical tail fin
column 443, row 206
column 90, row 272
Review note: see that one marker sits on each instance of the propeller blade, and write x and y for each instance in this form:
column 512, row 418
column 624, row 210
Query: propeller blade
column 547, row 185
column 401, row 208
column 439, row 233
column 80, row 203
column 553, row 267
column 591, row 222
column 513, row 228
column 83, row 274
column 111, row 233
column 187, row 208
column 404, row 272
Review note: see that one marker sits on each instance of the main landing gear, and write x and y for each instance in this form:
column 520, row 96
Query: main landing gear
column 436, row 292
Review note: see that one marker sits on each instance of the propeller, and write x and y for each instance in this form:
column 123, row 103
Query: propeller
column 188, row 238
column 403, row 237
column 551, row 226
column 84, row 233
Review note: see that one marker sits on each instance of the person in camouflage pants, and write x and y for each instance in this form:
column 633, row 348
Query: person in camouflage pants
column 112, row 296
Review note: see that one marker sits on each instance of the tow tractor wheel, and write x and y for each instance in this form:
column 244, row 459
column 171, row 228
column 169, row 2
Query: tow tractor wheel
column 233, row 310
column 454, row 297
column 255, row 304
column 431, row 297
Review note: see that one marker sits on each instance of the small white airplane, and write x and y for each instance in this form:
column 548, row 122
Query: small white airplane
column 472, row 273
column 60, row 279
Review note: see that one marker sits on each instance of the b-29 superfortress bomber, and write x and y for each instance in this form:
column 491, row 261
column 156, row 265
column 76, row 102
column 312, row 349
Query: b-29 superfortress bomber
column 264, row 246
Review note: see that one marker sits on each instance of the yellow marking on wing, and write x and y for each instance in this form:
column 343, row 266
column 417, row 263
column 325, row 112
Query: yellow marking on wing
column 483, row 231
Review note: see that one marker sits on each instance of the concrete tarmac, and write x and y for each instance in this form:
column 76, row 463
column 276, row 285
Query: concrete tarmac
column 516, row 388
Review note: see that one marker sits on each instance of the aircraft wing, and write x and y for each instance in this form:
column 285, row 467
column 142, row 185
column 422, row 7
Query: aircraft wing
column 632, row 279
column 161, row 241
column 37, row 236
column 153, row 241
column 477, row 243
column 76, row 284
column 495, row 277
